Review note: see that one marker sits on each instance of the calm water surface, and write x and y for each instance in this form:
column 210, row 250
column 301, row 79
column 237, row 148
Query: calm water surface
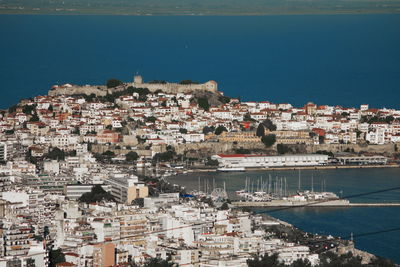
column 331, row 59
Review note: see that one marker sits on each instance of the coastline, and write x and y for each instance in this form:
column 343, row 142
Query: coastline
column 304, row 168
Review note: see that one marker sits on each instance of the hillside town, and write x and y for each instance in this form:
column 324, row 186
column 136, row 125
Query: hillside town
column 82, row 169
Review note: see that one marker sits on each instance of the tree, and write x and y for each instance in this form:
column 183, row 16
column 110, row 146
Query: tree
column 208, row 129
column 301, row 263
column 247, row 117
column 151, row 119
column 96, row 194
column 211, row 162
column 156, row 262
column 34, row 118
column 111, row 83
column 46, row 231
column 283, row 149
column 389, row 119
column 139, row 202
column 165, row 156
column 269, row 125
column 188, row 82
column 131, row 156
column 56, row 256
column 224, row 206
column 203, row 103
column 183, row 131
column 265, row 260
column 56, row 154
column 260, row 130
column 268, row 140
column 220, row 129
column 108, row 153
column 28, row 109
column 224, row 99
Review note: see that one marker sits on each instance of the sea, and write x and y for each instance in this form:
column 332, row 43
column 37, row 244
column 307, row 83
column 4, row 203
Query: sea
column 374, row 229
column 343, row 60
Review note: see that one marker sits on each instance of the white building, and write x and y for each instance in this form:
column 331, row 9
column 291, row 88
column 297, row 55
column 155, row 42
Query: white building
column 260, row 161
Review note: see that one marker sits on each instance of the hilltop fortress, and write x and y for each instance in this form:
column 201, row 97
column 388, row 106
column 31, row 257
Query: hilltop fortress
column 166, row 87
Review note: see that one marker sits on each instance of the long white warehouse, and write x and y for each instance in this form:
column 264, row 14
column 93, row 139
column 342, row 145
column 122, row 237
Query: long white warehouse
column 237, row 161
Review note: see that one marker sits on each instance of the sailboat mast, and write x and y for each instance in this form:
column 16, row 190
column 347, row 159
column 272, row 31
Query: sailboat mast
column 299, row 180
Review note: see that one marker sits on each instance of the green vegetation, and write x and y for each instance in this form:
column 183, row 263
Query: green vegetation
column 154, row 262
column 95, row 195
column 29, row 109
column 165, row 156
column 111, row 83
column 268, row 140
column 112, row 97
column 151, row 119
column 56, row 154
column 34, row 118
column 260, row 130
column 208, row 129
column 203, row 103
column 188, row 82
column 328, row 259
column 224, row 99
column 131, row 156
column 220, row 129
column 56, row 256
column 108, row 153
column 211, row 162
column 283, row 149
column 268, row 124
column 158, row 82
column 242, row 151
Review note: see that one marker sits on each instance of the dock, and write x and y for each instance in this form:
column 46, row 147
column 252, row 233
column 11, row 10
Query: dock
column 329, row 204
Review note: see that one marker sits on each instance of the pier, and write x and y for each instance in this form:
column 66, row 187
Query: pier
column 329, row 204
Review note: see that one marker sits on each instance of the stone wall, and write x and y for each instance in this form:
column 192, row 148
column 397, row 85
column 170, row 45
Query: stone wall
column 78, row 90
column 335, row 148
column 207, row 149
column 174, row 88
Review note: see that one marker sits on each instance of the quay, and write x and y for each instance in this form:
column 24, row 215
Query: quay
column 329, row 204
column 329, row 167
column 325, row 167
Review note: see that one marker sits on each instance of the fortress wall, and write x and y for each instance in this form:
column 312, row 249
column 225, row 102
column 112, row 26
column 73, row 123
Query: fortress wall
column 386, row 148
column 77, row 90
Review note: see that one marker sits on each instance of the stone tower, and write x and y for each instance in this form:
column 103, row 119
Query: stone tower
column 137, row 79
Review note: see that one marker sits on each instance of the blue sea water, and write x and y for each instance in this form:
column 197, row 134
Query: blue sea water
column 328, row 59
column 342, row 222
